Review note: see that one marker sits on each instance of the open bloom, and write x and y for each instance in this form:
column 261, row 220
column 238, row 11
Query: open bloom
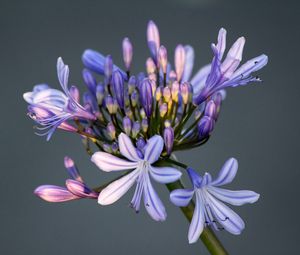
column 140, row 161
column 75, row 187
column 209, row 210
column 51, row 108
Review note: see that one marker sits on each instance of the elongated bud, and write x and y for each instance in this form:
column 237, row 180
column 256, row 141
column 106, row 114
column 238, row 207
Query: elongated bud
column 140, row 144
column 198, row 114
column 218, row 102
column 167, row 94
column 108, row 68
column 129, row 113
column 184, row 91
column 158, row 93
column 163, row 109
column 107, row 148
column 114, row 147
column 111, row 130
column 72, row 169
column 153, row 39
column 134, row 98
column 118, row 85
column 142, row 113
column 74, row 91
column 127, row 53
column 175, row 91
column 172, row 76
column 179, row 61
column 146, row 97
column 163, row 58
column 205, row 126
column 131, row 85
column 136, row 129
column 109, row 102
column 89, row 80
column 210, row 109
column 145, row 125
column 54, row 194
column 90, row 100
column 100, row 93
column 150, row 66
column 80, row 189
column 127, row 125
column 169, row 139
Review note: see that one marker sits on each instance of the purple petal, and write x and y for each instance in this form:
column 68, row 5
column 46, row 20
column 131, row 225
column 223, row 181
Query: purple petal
column 181, row 197
column 195, row 178
column 153, row 149
column 198, row 220
column 221, row 46
column 80, row 189
column 107, row 162
column 227, row 173
column 72, row 169
column 127, row 149
column 189, row 63
column 198, row 81
column 52, row 193
column 238, row 197
column 63, row 74
column 165, row 174
column 153, row 204
column 153, row 39
column 117, row 189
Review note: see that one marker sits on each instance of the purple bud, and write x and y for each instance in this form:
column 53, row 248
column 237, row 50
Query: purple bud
column 89, row 81
column 134, row 98
column 150, row 66
column 127, row 125
column 210, row 109
column 136, row 129
column 167, row 94
column 100, row 93
column 80, row 189
column 114, row 147
column 107, row 148
column 146, row 97
column 131, row 85
column 145, row 125
column 172, row 76
column 179, row 61
column 90, row 100
column 127, row 53
column 158, row 93
column 169, row 139
column 163, row 109
column 153, row 39
column 109, row 102
column 175, row 91
column 52, row 193
column 218, row 102
column 75, row 94
column 205, row 126
column 163, row 58
column 140, row 144
column 108, row 68
column 72, row 169
column 111, row 130
column 184, row 91
column 118, row 85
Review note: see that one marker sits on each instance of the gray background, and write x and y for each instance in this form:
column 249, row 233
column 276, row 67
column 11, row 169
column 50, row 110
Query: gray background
column 259, row 125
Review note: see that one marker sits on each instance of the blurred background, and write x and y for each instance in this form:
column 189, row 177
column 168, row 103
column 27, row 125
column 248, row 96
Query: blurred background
column 259, row 124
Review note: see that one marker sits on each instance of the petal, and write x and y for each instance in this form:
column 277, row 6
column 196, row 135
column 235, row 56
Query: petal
column 238, row 197
column 80, row 189
column 72, row 169
column 126, row 148
column 153, row 148
column 52, row 193
column 189, row 63
column 108, row 162
column 181, row 197
column 63, row 74
column 199, row 79
column 117, row 189
column 227, row 173
column 197, row 223
column 230, row 220
column 153, row 204
column 165, row 174
column 195, row 178
column 221, row 46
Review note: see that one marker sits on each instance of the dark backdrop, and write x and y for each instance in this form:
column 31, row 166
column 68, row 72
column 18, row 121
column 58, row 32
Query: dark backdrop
column 259, row 124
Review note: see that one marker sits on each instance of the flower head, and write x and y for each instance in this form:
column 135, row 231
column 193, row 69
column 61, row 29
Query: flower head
column 209, row 210
column 140, row 162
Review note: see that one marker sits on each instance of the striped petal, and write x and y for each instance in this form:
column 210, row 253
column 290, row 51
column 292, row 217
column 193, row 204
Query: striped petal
column 221, row 46
column 153, row 148
column 54, row 194
column 189, row 63
column 238, row 197
column 198, row 81
column 80, row 189
column 227, row 173
column 108, row 162
column 181, row 197
column 165, row 174
column 117, row 189
column 126, row 148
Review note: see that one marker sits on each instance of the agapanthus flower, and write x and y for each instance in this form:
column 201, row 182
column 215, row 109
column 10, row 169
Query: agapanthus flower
column 140, row 161
column 51, row 108
column 75, row 187
column 209, row 210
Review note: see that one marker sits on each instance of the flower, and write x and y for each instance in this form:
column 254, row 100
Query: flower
column 51, row 108
column 209, row 210
column 75, row 187
column 140, row 161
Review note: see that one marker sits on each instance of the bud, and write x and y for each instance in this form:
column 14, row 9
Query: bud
column 100, row 92
column 140, row 144
column 111, row 130
column 107, row 148
column 127, row 53
column 179, row 61
column 89, row 80
column 174, row 91
column 205, row 126
column 167, row 94
column 184, row 91
column 118, row 85
column 163, row 109
column 153, row 39
column 136, row 129
column 74, row 92
column 142, row 113
column 90, row 100
column 111, row 104
column 167, row 123
column 80, row 189
column 127, row 125
column 146, row 97
column 134, row 98
column 108, row 68
column 158, row 93
column 129, row 113
column 172, row 76
column 210, row 109
column 72, row 169
column 145, row 125
column 114, row 147
column 163, row 58
column 150, row 66
column 169, row 139
column 218, row 102
column 131, row 85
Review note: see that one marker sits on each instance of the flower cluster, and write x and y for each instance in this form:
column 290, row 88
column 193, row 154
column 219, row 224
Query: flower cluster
column 137, row 121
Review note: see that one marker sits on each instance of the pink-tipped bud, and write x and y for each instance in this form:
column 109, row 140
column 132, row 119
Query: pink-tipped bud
column 127, row 53
column 179, row 61
column 163, row 58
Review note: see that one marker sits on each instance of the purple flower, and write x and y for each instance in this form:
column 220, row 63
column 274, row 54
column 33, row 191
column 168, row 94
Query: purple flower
column 220, row 75
column 60, row 106
column 209, row 210
column 142, row 170
column 75, row 187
